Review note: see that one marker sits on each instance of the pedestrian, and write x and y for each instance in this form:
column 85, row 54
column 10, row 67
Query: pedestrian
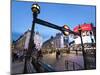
column 76, row 52
column 39, row 55
column 57, row 54
column 21, row 55
column 13, row 56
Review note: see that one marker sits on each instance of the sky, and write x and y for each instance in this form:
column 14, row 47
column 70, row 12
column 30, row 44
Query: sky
column 59, row 14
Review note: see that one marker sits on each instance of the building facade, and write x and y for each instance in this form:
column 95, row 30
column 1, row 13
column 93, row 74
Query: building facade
column 23, row 41
column 54, row 43
column 88, row 34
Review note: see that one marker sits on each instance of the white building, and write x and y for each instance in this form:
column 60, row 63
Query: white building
column 56, row 42
column 23, row 41
column 38, row 40
column 86, row 39
column 88, row 34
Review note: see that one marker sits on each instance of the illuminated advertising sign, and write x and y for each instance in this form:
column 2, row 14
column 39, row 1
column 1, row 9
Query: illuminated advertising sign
column 85, row 27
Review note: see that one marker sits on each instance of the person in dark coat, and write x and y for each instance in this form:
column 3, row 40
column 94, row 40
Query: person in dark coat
column 14, row 57
column 57, row 54
column 39, row 55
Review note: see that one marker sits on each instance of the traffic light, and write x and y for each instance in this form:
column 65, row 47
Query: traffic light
column 65, row 30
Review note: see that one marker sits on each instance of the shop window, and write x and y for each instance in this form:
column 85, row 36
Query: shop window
column 90, row 32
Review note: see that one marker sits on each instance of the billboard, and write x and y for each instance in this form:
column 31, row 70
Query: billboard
column 84, row 27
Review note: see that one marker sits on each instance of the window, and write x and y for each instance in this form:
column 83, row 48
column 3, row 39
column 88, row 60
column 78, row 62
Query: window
column 91, row 33
column 87, row 33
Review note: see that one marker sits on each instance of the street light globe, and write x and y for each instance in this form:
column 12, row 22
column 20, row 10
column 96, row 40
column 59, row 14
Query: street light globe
column 66, row 27
column 66, row 33
column 65, row 30
column 35, row 8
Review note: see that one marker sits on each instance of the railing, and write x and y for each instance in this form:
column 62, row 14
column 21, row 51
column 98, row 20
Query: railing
column 70, row 65
column 41, row 66
column 30, row 68
column 46, row 67
column 91, row 58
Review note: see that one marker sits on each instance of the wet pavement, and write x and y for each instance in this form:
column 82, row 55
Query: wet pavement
column 59, row 64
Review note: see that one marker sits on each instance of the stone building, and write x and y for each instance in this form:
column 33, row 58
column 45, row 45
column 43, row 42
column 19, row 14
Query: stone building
column 88, row 36
column 57, row 42
column 23, row 41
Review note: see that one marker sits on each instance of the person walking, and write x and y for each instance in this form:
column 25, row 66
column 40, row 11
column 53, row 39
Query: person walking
column 39, row 55
column 57, row 54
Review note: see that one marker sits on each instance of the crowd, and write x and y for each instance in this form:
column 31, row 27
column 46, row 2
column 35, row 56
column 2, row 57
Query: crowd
column 18, row 56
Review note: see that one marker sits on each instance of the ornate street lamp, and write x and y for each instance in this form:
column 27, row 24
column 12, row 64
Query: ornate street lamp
column 36, row 10
column 84, row 58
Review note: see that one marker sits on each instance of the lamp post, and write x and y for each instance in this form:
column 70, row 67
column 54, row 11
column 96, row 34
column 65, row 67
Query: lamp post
column 84, row 58
column 35, row 10
column 92, row 41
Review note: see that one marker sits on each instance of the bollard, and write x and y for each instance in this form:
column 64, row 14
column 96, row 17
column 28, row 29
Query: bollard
column 66, row 64
column 73, row 66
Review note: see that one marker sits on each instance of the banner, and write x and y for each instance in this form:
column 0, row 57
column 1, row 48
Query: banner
column 85, row 27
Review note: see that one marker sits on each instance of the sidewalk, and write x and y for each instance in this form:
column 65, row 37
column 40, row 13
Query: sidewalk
column 17, row 67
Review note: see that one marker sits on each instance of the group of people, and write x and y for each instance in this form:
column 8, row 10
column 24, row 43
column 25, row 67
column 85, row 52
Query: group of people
column 17, row 56
column 39, row 55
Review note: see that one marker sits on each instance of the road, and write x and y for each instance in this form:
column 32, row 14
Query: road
column 59, row 64
column 17, row 67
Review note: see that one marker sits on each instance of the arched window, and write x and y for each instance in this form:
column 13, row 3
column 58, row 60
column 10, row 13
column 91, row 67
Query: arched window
column 91, row 33
column 87, row 33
